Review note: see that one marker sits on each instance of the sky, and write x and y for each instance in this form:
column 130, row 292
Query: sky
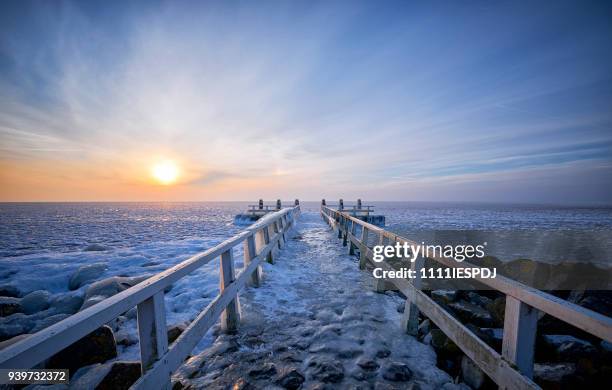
column 434, row 101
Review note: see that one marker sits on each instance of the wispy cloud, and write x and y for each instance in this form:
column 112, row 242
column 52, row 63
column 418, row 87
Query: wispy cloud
column 316, row 98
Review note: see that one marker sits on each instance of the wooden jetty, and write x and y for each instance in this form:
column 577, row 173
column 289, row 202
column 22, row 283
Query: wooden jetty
column 256, row 211
column 363, row 212
column 158, row 359
column 513, row 368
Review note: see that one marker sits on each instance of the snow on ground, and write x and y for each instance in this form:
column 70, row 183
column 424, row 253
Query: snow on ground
column 315, row 315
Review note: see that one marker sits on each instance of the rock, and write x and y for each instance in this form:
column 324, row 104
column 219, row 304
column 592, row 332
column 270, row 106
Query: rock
column 441, row 343
column 97, row 347
column 383, row 353
column 9, row 305
column 11, row 329
column 175, row 331
column 86, row 273
column 110, row 286
column 396, row 372
column 13, row 340
column 401, row 307
column 35, row 301
column 67, row 304
column 367, row 364
column 553, row 375
column 96, row 248
column 469, row 312
column 568, row 348
column 263, row 371
column 290, row 379
column 472, row 374
column 40, row 325
column 424, row 327
column 92, row 301
column 326, row 370
column 242, row 384
column 121, row 376
column 444, row 296
column 497, row 309
column 9, row 291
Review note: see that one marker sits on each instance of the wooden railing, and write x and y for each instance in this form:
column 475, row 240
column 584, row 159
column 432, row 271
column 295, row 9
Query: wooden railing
column 158, row 359
column 513, row 368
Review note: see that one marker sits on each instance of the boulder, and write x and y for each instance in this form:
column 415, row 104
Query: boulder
column 67, row 304
column 97, row 347
column 174, row 332
column 326, row 370
column 96, row 248
column 86, row 273
column 367, row 364
column 111, row 286
column 35, row 301
column 441, row 343
column 9, row 291
column 444, row 296
column 568, row 348
column 120, row 376
column 91, row 301
column 48, row 321
column 468, row 312
column 424, row 328
column 553, row 376
column 263, row 371
column 9, row 305
column 472, row 374
column 396, row 372
column 497, row 309
column 13, row 340
column 290, row 379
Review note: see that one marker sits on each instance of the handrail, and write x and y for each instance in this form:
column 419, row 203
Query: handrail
column 522, row 304
column 259, row 244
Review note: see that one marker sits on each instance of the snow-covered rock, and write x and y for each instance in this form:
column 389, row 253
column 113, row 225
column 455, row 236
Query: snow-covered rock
column 35, row 301
column 86, row 273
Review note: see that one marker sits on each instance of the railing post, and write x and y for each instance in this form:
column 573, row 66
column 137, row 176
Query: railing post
column 363, row 252
column 410, row 318
column 152, row 332
column 230, row 318
column 353, row 232
column 340, row 218
column 249, row 254
column 520, row 326
column 266, row 235
column 345, row 232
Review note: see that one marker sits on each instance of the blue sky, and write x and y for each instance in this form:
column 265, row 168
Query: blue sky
column 478, row 101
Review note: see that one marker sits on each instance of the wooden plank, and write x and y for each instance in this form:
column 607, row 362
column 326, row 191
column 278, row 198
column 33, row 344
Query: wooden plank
column 520, row 327
column 152, row 332
column 250, row 252
column 230, row 318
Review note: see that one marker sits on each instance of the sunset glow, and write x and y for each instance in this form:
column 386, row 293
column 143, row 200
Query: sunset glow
column 165, row 172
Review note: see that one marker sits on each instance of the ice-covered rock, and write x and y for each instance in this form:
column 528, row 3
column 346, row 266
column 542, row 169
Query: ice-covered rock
column 396, row 372
column 13, row 340
column 175, row 331
column 553, row 375
column 9, row 305
column 290, row 379
column 444, row 296
column 568, row 348
column 326, row 370
column 469, row 312
column 48, row 321
column 35, row 301
column 111, row 286
column 86, row 273
column 66, row 304
column 96, row 248
column 472, row 374
column 97, row 347
column 8, row 290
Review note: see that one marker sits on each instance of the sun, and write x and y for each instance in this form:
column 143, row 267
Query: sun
column 165, row 172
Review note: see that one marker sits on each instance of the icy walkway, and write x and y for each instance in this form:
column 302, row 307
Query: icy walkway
column 316, row 322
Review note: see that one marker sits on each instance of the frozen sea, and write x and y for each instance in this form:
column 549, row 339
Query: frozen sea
column 42, row 244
